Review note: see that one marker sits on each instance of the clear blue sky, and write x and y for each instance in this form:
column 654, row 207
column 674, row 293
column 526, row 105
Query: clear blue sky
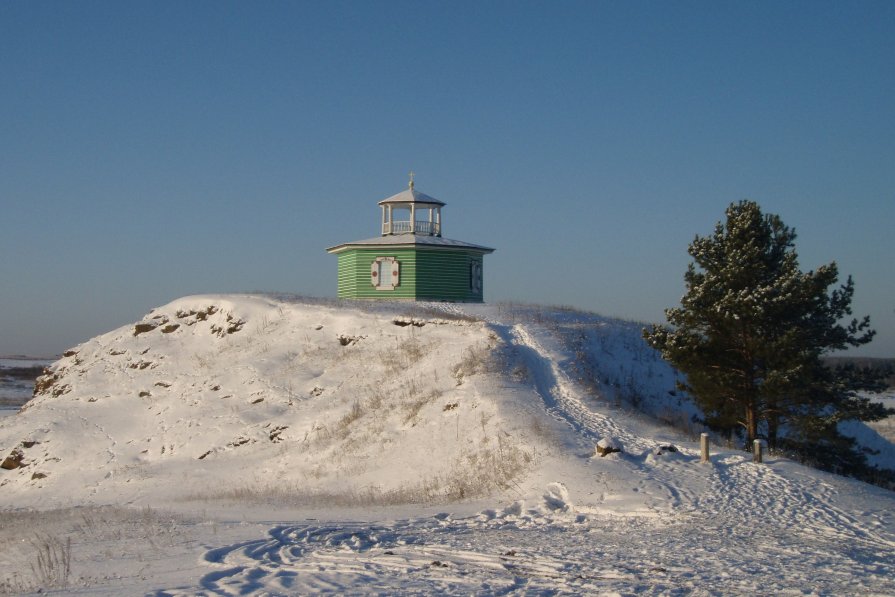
column 158, row 149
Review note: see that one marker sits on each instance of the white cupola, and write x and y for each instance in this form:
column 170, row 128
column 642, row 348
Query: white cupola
column 411, row 212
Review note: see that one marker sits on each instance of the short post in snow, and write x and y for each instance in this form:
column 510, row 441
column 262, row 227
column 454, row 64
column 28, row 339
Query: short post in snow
column 756, row 451
column 704, row 447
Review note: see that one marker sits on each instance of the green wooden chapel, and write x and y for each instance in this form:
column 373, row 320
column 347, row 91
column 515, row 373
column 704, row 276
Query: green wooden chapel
column 411, row 260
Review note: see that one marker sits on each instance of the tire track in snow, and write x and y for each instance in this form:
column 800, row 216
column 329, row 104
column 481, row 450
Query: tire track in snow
column 420, row 556
column 535, row 551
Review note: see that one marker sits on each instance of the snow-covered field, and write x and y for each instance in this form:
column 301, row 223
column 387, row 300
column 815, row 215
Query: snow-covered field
column 258, row 445
column 886, row 427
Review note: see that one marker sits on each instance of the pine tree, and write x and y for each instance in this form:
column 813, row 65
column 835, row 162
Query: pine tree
column 751, row 332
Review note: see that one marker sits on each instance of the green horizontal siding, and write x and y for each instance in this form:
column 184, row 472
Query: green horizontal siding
column 354, row 274
column 444, row 275
column 426, row 274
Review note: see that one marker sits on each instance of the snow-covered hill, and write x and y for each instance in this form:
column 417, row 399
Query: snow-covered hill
column 437, row 447
column 214, row 396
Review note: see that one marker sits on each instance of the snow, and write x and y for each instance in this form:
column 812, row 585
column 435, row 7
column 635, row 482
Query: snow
column 256, row 444
column 876, row 437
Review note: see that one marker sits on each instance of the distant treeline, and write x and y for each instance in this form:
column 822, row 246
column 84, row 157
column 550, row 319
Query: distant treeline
column 885, row 365
column 21, row 372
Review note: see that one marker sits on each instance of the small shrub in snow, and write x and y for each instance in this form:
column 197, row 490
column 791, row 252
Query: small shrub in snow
column 666, row 449
column 351, row 416
column 52, row 562
column 475, row 359
column 37, row 550
column 414, row 405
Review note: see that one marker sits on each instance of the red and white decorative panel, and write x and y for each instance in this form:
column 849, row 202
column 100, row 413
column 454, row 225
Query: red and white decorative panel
column 385, row 273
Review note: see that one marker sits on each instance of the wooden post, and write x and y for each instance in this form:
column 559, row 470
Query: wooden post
column 704, row 446
column 756, row 451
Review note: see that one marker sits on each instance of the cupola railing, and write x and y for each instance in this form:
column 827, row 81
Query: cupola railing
column 424, row 227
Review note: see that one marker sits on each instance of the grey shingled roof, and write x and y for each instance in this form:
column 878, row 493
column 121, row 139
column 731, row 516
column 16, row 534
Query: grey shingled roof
column 412, row 196
column 398, row 240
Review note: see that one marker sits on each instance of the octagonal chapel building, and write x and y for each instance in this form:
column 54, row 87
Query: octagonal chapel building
column 411, row 259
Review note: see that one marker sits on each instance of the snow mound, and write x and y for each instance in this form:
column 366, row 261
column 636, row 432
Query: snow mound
column 235, row 397
column 556, row 498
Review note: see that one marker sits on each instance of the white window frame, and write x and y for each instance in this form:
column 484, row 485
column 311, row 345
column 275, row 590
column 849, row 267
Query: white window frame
column 389, row 265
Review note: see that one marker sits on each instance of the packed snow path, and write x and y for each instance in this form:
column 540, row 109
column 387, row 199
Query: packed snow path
column 738, row 490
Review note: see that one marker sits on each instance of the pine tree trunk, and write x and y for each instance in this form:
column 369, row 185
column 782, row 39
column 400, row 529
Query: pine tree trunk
column 751, row 423
column 773, row 426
